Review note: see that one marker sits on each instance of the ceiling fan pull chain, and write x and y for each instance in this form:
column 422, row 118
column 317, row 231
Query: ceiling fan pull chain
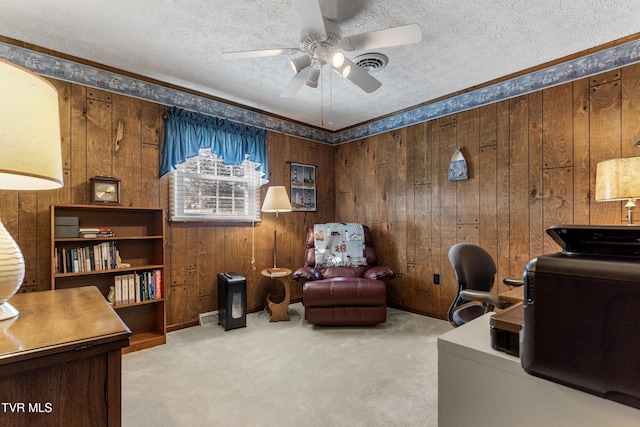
column 330, row 99
column 322, row 104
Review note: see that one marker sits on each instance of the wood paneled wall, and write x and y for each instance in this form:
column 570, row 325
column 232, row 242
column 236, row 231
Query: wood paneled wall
column 106, row 133
column 532, row 163
column 531, row 160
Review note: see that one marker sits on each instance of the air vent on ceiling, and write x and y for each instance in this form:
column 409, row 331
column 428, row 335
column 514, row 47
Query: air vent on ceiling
column 371, row 62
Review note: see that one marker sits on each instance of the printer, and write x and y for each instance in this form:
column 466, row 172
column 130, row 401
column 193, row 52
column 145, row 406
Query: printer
column 582, row 312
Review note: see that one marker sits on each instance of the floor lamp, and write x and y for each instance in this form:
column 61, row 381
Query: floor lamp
column 619, row 179
column 277, row 200
column 30, row 157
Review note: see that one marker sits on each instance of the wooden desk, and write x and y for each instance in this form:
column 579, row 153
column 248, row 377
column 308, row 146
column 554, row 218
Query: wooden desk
column 279, row 311
column 513, row 296
column 60, row 361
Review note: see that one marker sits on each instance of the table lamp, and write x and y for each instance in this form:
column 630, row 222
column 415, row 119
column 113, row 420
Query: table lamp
column 619, row 179
column 30, row 157
column 277, row 200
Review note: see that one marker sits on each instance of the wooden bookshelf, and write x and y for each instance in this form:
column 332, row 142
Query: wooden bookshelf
column 138, row 235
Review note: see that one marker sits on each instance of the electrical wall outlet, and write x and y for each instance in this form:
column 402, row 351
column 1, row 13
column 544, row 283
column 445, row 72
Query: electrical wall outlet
column 436, row 279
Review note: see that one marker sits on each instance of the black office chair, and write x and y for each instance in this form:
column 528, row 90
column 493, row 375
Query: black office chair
column 475, row 271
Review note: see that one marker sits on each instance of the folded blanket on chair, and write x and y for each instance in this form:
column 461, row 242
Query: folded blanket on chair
column 339, row 244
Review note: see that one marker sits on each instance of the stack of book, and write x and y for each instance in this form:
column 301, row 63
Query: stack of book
column 138, row 287
column 89, row 258
column 96, row 232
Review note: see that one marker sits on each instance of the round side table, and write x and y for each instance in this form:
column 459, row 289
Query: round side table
column 279, row 311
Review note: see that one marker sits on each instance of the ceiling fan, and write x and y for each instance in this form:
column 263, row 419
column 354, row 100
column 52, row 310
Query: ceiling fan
column 321, row 43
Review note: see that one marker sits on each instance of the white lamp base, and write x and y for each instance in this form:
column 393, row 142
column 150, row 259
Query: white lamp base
column 7, row 311
column 11, row 272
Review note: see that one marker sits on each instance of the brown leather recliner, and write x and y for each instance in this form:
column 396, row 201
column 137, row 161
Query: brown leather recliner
column 344, row 295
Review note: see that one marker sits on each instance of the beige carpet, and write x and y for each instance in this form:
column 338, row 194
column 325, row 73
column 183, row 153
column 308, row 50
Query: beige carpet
column 287, row 374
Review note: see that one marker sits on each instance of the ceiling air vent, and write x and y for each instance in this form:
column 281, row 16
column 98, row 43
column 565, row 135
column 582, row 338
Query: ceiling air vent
column 371, row 62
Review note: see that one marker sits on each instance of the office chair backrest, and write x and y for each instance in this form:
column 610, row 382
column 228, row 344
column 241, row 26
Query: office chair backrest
column 474, row 267
column 476, row 270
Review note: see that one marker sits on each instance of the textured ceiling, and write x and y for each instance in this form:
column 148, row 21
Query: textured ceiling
column 465, row 43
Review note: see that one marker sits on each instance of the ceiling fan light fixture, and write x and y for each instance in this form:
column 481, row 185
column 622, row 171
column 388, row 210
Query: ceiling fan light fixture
column 321, row 44
column 344, row 70
column 300, row 63
column 337, row 59
column 314, row 75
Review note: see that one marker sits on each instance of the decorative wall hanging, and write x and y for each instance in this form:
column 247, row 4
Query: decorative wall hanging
column 458, row 166
column 303, row 187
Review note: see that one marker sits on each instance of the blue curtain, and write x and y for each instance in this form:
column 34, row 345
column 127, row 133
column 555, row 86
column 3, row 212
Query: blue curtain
column 186, row 132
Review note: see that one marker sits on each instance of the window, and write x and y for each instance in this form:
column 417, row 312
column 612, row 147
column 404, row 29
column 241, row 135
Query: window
column 205, row 189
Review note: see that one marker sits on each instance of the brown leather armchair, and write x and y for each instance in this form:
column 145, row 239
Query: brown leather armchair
column 344, row 295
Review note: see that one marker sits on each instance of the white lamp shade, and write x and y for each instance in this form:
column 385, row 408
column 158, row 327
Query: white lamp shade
column 618, row 179
column 30, row 157
column 312, row 79
column 276, row 200
column 30, row 154
column 300, row 63
column 337, row 59
column 345, row 70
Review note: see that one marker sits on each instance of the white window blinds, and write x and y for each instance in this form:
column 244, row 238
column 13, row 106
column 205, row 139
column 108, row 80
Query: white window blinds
column 205, row 189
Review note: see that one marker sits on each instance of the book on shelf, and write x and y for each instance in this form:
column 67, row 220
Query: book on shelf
column 75, row 265
column 157, row 281
column 125, row 290
column 131, row 283
column 96, row 257
column 118, row 288
column 151, row 284
column 144, row 289
column 135, row 283
column 85, row 258
column 137, row 287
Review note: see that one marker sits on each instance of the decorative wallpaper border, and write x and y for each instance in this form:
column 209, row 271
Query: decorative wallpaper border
column 595, row 63
column 63, row 69
column 67, row 70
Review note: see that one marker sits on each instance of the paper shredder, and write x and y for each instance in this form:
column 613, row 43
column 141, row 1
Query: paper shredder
column 232, row 301
column 582, row 312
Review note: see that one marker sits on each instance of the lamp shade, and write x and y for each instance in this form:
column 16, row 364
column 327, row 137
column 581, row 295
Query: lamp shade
column 312, row 79
column 300, row 63
column 344, row 70
column 30, row 154
column 30, row 157
column 337, row 59
column 277, row 200
column 618, row 179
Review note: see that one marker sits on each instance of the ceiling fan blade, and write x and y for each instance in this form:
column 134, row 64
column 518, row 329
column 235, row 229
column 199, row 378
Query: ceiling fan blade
column 311, row 16
column 361, row 78
column 397, row 36
column 260, row 53
column 295, row 84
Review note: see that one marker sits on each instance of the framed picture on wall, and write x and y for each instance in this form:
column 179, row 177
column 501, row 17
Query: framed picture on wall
column 303, row 187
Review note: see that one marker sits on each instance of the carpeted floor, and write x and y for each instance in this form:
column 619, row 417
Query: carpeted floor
column 287, row 374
